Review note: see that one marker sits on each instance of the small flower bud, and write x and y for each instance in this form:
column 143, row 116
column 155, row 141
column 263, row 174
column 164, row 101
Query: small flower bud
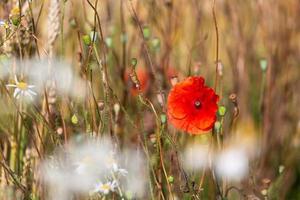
column 86, row 40
column 174, row 80
column 263, row 64
column 197, row 67
column 146, row 32
column 73, row 23
column 123, row 38
column 281, row 169
column 153, row 138
column 163, row 118
column 171, row 179
column 220, row 68
column 133, row 62
column 264, row 192
column 108, row 42
column 218, row 126
column 74, row 119
column 155, row 43
column 160, row 98
column 233, row 97
column 116, row 108
column 101, row 105
column 59, row 130
column 222, row 110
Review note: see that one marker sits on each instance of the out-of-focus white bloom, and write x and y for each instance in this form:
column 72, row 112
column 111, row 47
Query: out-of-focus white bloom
column 106, row 188
column 79, row 166
column 42, row 72
column 135, row 181
column 232, row 163
column 112, row 164
column 22, row 89
column 196, row 157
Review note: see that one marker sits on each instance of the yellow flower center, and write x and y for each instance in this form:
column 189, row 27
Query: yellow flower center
column 15, row 11
column 22, row 86
column 105, row 187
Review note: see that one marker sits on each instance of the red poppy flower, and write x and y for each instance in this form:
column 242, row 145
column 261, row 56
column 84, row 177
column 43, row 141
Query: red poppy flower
column 192, row 106
column 143, row 77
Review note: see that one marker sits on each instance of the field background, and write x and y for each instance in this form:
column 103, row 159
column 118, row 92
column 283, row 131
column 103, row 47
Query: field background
column 256, row 43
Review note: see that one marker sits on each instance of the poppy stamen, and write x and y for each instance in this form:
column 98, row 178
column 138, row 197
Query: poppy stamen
column 197, row 104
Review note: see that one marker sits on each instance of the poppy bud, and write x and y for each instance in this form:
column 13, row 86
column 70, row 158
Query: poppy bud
column 101, row 105
column 174, row 80
column 160, row 98
column 163, row 118
column 218, row 126
column 86, row 40
column 263, row 64
column 133, row 62
column 155, row 44
column 146, row 32
column 108, row 42
column 222, row 111
column 59, row 130
column 116, row 109
column 220, row 68
column 171, row 179
column 123, row 38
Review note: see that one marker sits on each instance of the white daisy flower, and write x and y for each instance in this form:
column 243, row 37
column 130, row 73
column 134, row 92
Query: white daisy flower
column 22, row 89
column 113, row 165
column 105, row 188
column 4, row 24
column 84, row 165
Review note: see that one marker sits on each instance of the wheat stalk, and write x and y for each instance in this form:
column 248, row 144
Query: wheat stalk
column 53, row 24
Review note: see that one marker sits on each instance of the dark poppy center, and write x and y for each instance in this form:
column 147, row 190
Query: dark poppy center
column 197, row 104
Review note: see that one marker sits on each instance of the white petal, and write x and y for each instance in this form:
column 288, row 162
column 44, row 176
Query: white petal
column 31, row 86
column 26, row 93
column 17, row 92
column 16, row 79
column 32, row 92
column 21, row 93
column 17, row 95
column 11, row 85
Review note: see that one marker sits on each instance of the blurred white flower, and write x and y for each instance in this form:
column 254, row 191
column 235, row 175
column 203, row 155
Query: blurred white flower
column 196, row 157
column 22, row 89
column 106, row 188
column 232, row 163
column 112, row 164
column 41, row 72
column 79, row 166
